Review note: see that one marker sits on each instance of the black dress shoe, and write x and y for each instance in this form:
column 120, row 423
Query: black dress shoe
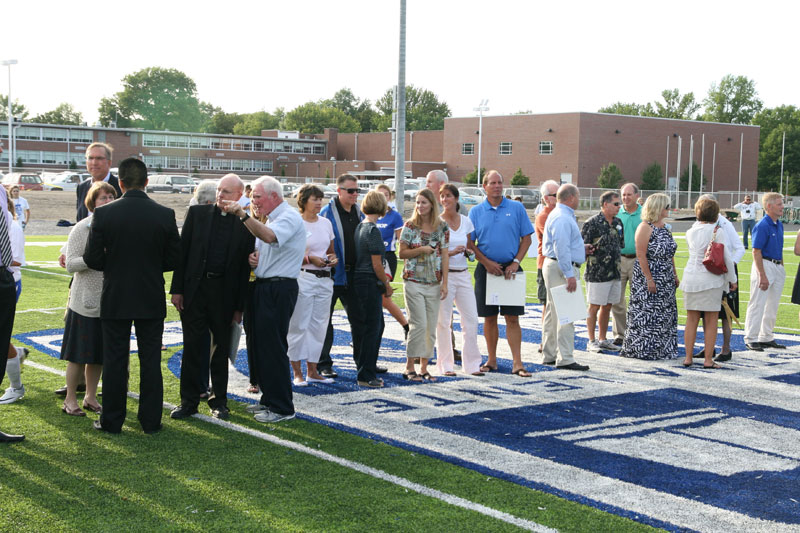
column 329, row 373
column 99, row 427
column 151, row 431
column 223, row 413
column 573, row 366
column 551, row 363
column 381, row 369
column 724, row 357
column 5, row 437
column 754, row 347
column 182, row 411
column 772, row 344
column 63, row 390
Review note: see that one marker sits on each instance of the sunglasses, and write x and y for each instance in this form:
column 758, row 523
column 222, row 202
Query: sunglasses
column 349, row 191
column 553, row 195
column 616, row 204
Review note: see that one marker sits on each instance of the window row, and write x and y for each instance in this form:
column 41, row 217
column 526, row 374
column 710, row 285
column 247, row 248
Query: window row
column 33, row 133
column 38, row 157
column 206, row 163
column 240, row 145
column 545, row 148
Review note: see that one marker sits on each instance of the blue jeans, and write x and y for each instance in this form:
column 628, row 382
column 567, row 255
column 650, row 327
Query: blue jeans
column 747, row 227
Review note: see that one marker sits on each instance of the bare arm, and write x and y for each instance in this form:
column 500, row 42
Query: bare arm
column 406, row 252
column 642, row 239
column 797, row 244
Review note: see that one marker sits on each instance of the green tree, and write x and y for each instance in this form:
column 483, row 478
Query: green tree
column 637, row 110
column 17, row 109
column 472, row 176
column 314, row 117
column 361, row 110
column 733, row 101
column 519, row 179
column 774, row 122
column 610, row 177
column 253, row 123
column 222, row 122
column 677, row 106
column 653, row 178
column 424, row 110
column 157, row 98
column 684, row 184
column 63, row 114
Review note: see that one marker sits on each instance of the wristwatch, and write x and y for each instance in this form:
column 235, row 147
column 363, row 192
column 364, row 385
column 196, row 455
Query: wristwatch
column 245, row 217
column 515, row 260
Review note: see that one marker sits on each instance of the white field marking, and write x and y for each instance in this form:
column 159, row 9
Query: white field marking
column 358, row 467
column 45, row 244
column 46, row 272
column 46, row 311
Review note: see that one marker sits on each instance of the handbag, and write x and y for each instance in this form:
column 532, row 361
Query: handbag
column 714, row 258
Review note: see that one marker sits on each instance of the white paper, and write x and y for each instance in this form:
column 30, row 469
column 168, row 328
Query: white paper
column 570, row 306
column 502, row 291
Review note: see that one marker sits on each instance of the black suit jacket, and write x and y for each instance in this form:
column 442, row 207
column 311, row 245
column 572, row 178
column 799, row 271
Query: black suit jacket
column 133, row 240
column 195, row 237
column 83, row 188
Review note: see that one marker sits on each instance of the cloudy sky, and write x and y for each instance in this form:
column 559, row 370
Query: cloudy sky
column 522, row 55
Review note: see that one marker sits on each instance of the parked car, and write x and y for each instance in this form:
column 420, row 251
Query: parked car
column 468, row 199
column 530, row 198
column 27, row 181
column 170, row 183
column 65, row 181
column 289, row 189
column 476, row 192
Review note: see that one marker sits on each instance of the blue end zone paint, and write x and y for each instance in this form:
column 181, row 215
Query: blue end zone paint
column 790, row 379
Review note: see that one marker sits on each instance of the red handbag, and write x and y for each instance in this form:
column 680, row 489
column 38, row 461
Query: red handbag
column 714, row 258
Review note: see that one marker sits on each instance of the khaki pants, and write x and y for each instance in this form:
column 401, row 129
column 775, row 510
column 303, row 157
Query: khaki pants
column 762, row 311
column 620, row 309
column 422, row 306
column 555, row 336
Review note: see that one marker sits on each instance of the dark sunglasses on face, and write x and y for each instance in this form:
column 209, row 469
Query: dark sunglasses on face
column 553, row 195
column 349, row 191
column 617, row 204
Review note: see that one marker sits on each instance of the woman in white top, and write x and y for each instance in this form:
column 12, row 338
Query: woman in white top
column 309, row 322
column 702, row 290
column 16, row 356
column 459, row 288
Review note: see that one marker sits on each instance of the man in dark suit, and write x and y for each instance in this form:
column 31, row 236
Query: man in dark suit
column 209, row 288
column 133, row 241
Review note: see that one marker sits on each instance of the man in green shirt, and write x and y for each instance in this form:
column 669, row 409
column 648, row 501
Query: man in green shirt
column 631, row 216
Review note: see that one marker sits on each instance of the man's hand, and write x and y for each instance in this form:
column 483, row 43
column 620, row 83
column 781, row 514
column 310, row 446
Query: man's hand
column 177, row 301
column 511, row 270
column 572, row 284
column 493, row 268
column 763, row 281
column 588, row 248
column 237, row 317
column 233, row 207
column 62, row 261
column 252, row 260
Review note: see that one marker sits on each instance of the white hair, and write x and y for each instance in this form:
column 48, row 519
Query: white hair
column 544, row 186
column 206, row 192
column 269, row 185
column 440, row 175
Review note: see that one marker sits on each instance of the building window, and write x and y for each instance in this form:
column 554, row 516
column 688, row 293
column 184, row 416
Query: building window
column 545, row 147
column 177, row 141
column 468, row 149
column 81, row 136
column 28, row 132
column 148, row 139
column 505, row 148
column 52, row 134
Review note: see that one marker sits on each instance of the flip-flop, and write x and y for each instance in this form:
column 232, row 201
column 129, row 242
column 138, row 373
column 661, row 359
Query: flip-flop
column 427, row 376
column 450, row 374
column 411, row 376
column 687, row 365
column 478, row 374
column 712, row 367
column 487, row 368
column 521, row 372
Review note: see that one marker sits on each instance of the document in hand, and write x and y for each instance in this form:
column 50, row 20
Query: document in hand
column 570, row 306
column 502, row 291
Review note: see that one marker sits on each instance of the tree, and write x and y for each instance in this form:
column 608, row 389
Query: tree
column 223, row 123
column 313, row 117
column 63, row 114
column 684, row 184
column 472, row 176
column 424, row 110
column 653, row 178
column 253, row 123
column 733, row 101
column 519, row 179
column 774, row 122
column 637, row 110
column 17, row 109
column 610, row 177
column 677, row 106
column 361, row 110
column 157, row 98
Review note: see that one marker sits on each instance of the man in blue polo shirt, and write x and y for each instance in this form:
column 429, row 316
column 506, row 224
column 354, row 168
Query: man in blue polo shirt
column 766, row 277
column 503, row 233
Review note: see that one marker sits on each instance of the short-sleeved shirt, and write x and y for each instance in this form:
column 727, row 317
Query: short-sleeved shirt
column 630, row 221
column 768, row 237
column 607, row 239
column 498, row 230
column 319, row 235
column 425, row 268
column 458, row 237
column 20, row 206
column 388, row 224
column 541, row 218
column 368, row 243
column 283, row 257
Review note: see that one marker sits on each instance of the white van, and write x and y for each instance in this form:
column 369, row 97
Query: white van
column 171, row 183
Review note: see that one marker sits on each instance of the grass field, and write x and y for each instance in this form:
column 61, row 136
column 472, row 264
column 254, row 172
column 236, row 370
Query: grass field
column 200, row 475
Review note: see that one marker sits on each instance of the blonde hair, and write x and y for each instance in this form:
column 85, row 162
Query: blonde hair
column 653, row 206
column 416, row 218
column 771, row 198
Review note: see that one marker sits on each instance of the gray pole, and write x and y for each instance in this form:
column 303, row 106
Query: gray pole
column 702, row 161
column 8, row 63
column 713, row 166
column 400, row 152
column 783, row 151
column 741, row 145
column 691, row 164
column 666, row 168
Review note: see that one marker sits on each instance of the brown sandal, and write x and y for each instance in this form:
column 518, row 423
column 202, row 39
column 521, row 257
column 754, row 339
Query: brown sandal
column 427, row 377
column 487, row 368
column 450, row 374
column 93, row 408
column 521, row 372
column 411, row 376
column 72, row 412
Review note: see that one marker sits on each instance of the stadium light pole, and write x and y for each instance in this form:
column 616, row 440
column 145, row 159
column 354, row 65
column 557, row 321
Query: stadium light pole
column 8, row 63
column 400, row 127
column 483, row 106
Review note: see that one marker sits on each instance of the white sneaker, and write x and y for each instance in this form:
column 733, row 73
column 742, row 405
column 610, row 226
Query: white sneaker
column 593, row 346
column 269, row 416
column 323, row 380
column 255, row 408
column 12, row 395
column 606, row 344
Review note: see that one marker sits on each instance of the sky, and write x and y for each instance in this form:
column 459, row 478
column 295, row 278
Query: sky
column 544, row 57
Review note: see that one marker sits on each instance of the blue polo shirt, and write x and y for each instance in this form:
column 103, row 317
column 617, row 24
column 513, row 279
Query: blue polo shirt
column 498, row 230
column 768, row 237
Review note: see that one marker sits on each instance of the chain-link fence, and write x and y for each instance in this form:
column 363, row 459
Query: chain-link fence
column 590, row 198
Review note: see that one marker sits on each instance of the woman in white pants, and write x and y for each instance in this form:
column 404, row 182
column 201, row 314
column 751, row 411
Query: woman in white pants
column 460, row 290
column 309, row 321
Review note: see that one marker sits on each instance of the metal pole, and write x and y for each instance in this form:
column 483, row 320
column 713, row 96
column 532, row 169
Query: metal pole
column 702, row 161
column 400, row 152
column 678, row 174
column 480, row 109
column 783, row 151
column 741, row 144
column 713, row 166
column 8, row 63
column 691, row 164
column 666, row 167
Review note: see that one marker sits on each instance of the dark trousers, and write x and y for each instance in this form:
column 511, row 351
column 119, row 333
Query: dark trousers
column 8, row 307
column 747, row 228
column 370, row 304
column 273, row 304
column 116, row 355
column 347, row 295
column 202, row 315
column 247, row 325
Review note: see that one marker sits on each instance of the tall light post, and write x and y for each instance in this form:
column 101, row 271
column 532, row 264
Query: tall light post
column 8, row 63
column 483, row 106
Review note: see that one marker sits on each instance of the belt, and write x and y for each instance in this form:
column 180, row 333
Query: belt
column 776, row 261
column 274, row 279
column 451, row 270
column 576, row 265
column 213, row 275
column 318, row 273
column 629, row 256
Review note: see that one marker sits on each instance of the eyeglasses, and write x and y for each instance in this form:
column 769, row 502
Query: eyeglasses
column 553, row 195
column 617, row 204
column 349, row 191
